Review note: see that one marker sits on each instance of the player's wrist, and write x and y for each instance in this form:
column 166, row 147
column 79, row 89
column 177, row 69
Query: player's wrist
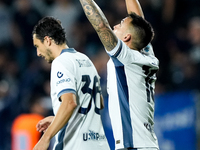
column 46, row 137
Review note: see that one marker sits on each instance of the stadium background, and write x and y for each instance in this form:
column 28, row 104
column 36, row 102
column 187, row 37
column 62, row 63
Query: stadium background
column 177, row 45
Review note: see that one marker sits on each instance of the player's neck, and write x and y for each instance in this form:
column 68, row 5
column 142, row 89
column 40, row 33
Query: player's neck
column 58, row 49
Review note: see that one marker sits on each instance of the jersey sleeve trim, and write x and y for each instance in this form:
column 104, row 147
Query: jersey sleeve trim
column 65, row 91
column 116, row 51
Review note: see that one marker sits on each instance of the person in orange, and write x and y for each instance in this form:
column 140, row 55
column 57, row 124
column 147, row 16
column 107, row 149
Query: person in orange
column 23, row 132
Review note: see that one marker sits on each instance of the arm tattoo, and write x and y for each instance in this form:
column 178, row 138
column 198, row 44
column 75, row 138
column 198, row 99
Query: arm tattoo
column 108, row 39
column 94, row 16
column 100, row 23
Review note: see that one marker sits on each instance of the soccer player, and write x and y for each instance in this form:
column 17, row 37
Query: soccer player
column 131, row 75
column 75, row 93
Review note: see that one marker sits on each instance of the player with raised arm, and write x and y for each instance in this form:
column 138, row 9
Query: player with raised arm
column 75, row 93
column 131, row 75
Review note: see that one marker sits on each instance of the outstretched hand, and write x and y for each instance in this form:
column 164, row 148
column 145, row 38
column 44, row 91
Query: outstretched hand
column 43, row 124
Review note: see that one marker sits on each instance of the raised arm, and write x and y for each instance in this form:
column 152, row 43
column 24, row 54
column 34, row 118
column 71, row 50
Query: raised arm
column 134, row 6
column 100, row 24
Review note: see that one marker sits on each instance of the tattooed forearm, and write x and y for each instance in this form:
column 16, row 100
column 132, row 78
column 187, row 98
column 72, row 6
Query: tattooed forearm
column 108, row 39
column 100, row 23
column 94, row 14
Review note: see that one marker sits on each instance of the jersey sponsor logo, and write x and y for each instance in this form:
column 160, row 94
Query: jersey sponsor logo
column 62, row 81
column 59, row 74
column 84, row 63
column 91, row 135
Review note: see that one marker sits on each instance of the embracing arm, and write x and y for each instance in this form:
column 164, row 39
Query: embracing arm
column 134, row 6
column 64, row 113
column 100, row 24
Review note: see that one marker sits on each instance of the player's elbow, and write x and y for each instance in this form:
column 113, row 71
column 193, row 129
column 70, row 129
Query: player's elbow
column 73, row 104
column 69, row 100
column 101, row 26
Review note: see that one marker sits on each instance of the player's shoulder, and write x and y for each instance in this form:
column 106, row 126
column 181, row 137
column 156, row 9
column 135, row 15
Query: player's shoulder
column 62, row 60
column 73, row 58
column 148, row 50
column 66, row 55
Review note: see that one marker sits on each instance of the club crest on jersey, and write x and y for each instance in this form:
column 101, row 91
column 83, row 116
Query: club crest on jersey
column 91, row 135
column 59, row 74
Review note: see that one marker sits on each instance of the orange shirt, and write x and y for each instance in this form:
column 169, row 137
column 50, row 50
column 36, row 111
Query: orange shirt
column 24, row 133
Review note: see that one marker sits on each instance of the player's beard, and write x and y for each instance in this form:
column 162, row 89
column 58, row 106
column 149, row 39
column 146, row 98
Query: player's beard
column 49, row 58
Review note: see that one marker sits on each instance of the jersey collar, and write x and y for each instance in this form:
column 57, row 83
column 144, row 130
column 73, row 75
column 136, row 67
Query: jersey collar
column 70, row 50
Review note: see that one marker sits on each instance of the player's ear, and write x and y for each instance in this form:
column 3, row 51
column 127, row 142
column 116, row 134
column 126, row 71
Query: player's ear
column 127, row 37
column 48, row 41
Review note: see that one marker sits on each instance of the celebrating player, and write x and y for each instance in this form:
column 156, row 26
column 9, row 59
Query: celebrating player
column 131, row 75
column 75, row 93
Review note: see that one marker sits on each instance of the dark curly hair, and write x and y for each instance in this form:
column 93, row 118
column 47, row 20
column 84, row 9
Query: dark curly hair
column 49, row 26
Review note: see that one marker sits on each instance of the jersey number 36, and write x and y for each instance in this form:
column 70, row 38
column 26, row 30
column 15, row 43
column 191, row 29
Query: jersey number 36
column 93, row 92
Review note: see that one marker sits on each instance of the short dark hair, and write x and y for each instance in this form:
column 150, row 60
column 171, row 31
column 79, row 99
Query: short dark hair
column 143, row 29
column 49, row 26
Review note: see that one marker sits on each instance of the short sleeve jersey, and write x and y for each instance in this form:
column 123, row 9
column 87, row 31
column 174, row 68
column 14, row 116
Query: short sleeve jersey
column 73, row 72
column 131, row 78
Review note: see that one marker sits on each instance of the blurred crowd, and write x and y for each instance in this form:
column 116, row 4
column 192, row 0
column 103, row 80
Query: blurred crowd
column 23, row 75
